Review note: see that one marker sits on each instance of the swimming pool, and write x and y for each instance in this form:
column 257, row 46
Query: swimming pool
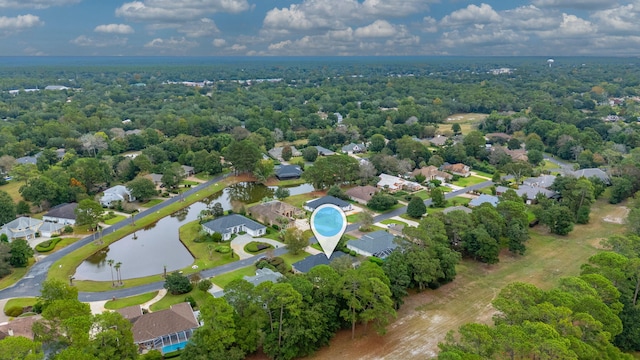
column 174, row 347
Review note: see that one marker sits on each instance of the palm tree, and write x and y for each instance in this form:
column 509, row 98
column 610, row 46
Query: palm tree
column 110, row 262
column 118, row 274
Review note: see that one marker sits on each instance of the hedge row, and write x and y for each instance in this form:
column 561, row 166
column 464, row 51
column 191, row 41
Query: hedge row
column 48, row 245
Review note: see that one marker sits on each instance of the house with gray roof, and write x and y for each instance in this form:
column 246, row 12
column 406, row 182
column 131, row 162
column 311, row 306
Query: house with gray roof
column 313, row 204
column 531, row 193
column 262, row 275
column 354, row 148
column 21, row 228
column 543, row 181
column 27, row 160
column 116, row 193
column 276, row 152
column 457, row 208
column 49, row 229
column 303, row 266
column 484, row 198
column 378, row 243
column 592, row 172
column 233, row 224
column 64, row 214
column 324, row 151
column 438, row 140
column 285, row 172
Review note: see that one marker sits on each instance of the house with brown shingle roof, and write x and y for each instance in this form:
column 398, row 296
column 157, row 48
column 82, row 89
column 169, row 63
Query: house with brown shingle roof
column 275, row 213
column 20, row 326
column 361, row 194
column 165, row 330
column 432, row 173
column 458, row 169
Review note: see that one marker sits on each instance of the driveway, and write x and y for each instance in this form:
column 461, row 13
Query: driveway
column 240, row 241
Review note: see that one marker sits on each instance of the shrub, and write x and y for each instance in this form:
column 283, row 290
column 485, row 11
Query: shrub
column 256, row 246
column 13, row 311
column 48, row 245
column 223, row 249
column 376, row 260
column 191, row 301
column 204, row 285
column 352, row 253
column 68, row 229
column 37, row 307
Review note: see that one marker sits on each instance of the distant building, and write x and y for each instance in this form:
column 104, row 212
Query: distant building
column 276, row 152
column 484, row 198
column 457, row 208
column 64, row 214
column 233, row 224
column 116, row 193
column 592, row 172
column 354, row 148
column 361, row 194
column 56, row 87
column 303, row 266
column 378, row 243
column 324, row 151
column 27, row 160
column 432, row 173
column 285, row 172
column 394, row 183
column 21, row 228
column 458, row 169
column 262, row 275
column 313, row 204
column 275, row 213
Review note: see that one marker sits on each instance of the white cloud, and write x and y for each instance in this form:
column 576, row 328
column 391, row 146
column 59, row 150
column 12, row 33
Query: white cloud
column 199, row 28
column 238, row 47
column 219, row 42
column 178, row 10
column 35, row 4
column 472, row 14
column 31, row 51
column 625, row 19
column 527, row 18
column 570, row 27
column 280, row 45
column 575, row 4
column 21, row 22
column 379, row 28
column 338, row 14
column 114, row 29
column 86, row 41
column 171, row 44
column 430, row 24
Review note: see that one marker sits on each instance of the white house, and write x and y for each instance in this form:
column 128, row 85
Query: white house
column 354, row 148
column 21, row 228
column 394, row 183
column 64, row 214
column 115, row 194
column 233, row 224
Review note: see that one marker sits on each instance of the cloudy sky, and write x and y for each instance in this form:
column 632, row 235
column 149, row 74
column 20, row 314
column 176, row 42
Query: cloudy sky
column 319, row 27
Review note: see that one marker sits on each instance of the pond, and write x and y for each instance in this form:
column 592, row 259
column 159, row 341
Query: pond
column 147, row 251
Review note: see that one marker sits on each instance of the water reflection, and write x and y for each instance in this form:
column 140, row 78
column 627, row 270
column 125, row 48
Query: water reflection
column 147, row 251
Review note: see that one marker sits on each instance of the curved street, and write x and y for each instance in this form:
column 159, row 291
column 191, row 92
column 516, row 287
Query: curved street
column 29, row 286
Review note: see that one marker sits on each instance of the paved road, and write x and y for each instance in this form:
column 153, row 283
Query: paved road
column 30, row 284
column 563, row 165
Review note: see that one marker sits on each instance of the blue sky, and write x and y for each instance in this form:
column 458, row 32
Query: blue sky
column 319, row 27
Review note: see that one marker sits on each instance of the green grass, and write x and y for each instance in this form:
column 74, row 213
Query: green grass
column 316, row 246
column 21, row 302
column 189, row 182
column 203, row 176
column 290, row 182
column 224, row 279
column 482, row 173
column 259, row 251
column 130, row 301
column 168, row 300
column 13, row 189
column 468, row 181
column 115, row 219
column 353, row 218
column 272, row 234
column 66, row 266
column 290, row 259
column 396, row 206
column 422, row 194
column 299, row 200
column 548, row 165
column 63, row 243
column 392, row 221
column 16, row 274
column 151, row 203
column 296, row 159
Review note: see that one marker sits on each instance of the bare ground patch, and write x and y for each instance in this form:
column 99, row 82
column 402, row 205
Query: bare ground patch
column 617, row 216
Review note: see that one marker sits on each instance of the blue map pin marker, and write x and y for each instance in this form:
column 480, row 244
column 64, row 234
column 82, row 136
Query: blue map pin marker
column 328, row 223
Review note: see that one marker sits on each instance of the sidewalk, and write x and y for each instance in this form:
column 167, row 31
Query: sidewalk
column 97, row 307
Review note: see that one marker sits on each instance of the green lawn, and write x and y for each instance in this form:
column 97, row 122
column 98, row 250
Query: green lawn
column 63, row 243
column 456, row 201
column 16, row 274
column 203, row 176
column 21, row 302
column 468, row 181
column 114, row 219
column 392, row 221
column 13, row 189
column 130, row 301
column 66, row 266
column 188, row 233
column 299, row 200
column 482, row 173
column 224, row 279
column 290, row 182
column 168, row 300
column 151, row 203
column 353, row 218
column 422, row 194
column 290, row 259
column 189, row 182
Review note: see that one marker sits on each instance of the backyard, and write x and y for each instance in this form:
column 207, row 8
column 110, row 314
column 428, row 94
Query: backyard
column 426, row 317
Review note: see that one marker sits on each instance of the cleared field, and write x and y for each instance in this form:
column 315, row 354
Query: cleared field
column 224, row 279
column 426, row 317
column 130, row 301
column 13, row 189
column 468, row 122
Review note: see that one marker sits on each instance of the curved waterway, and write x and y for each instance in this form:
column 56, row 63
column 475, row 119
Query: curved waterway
column 146, row 252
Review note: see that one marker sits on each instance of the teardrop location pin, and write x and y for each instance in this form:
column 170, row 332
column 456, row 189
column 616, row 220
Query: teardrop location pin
column 328, row 223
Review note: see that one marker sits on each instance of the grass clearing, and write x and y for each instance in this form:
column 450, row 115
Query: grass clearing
column 290, row 259
column 468, row 181
column 224, row 279
column 422, row 194
column 168, row 300
column 299, row 200
column 429, row 315
column 21, row 302
column 151, row 203
column 13, row 189
column 66, row 266
column 16, row 274
column 64, row 243
column 130, row 301
column 392, row 221
column 115, row 219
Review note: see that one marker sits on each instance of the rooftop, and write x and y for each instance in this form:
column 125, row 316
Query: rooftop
column 223, row 223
